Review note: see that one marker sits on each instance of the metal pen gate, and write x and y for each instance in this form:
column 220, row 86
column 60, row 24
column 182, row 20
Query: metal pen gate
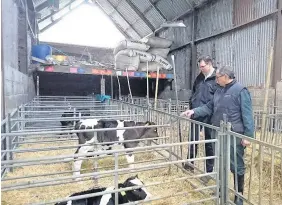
column 159, row 163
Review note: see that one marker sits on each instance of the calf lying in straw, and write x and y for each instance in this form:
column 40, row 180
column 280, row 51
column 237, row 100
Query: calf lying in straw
column 109, row 199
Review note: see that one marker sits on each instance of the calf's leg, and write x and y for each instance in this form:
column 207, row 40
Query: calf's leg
column 77, row 164
column 130, row 160
column 129, row 155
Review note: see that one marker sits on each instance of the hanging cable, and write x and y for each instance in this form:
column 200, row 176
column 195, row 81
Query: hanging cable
column 27, row 18
column 175, row 83
column 128, row 83
column 82, row 53
column 119, row 90
column 59, row 51
column 177, row 103
column 157, row 87
column 148, row 97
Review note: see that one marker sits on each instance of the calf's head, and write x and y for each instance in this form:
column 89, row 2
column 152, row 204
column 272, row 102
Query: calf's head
column 136, row 194
column 150, row 132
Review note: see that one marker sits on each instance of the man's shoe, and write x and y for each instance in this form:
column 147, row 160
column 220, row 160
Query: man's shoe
column 206, row 179
column 238, row 201
column 188, row 167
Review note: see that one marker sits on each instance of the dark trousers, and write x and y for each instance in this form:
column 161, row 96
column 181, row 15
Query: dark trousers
column 237, row 160
column 193, row 149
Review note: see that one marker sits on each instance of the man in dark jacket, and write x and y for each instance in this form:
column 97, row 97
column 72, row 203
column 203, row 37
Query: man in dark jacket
column 203, row 89
column 234, row 100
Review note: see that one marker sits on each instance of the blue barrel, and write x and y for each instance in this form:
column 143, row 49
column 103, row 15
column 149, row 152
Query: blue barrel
column 41, row 51
column 102, row 98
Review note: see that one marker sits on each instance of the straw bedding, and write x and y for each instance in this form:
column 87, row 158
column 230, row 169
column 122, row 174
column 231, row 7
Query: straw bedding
column 255, row 177
column 47, row 193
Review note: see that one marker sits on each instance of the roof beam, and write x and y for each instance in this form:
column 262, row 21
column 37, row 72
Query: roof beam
column 109, row 16
column 144, row 19
column 25, row 7
column 157, row 1
column 59, row 19
column 32, row 14
column 277, row 63
column 42, row 6
column 53, row 13
column 190, row 4
column 157, row 9
column 123, row 18
column 31, row 4
column 186, row 13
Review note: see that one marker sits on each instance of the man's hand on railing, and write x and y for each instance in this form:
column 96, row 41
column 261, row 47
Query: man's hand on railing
column 245, row 143
column 187, row 113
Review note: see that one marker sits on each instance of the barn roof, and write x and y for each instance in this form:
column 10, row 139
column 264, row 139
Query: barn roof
column 134, row 18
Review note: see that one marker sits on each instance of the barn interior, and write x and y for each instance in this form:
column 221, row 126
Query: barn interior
column 42, row 79
column 236, row 33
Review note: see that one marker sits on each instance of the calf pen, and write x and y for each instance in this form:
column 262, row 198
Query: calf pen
column 36, row 162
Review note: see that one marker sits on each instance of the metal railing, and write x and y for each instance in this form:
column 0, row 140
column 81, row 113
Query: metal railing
column 168, row 105
column 263, row 171
column 268, row 125
column 8, row 126
column 166, row 150
column 43, row 152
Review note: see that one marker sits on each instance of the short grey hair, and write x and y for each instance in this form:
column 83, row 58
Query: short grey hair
column 226, row 70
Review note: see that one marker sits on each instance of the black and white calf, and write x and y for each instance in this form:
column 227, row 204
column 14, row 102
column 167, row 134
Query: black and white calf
column 68, row 114
column 109, row 137
column 109, row 199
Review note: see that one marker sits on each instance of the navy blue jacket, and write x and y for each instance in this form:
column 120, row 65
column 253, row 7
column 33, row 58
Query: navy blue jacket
column 202, row 93
column 234, row 100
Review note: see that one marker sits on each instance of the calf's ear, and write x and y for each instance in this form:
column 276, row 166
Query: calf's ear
column 147, row 123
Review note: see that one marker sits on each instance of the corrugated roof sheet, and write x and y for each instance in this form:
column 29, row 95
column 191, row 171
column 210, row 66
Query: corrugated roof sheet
column 117, row 18
column 141, row 5
column 125, row 26
column 154, row 17
column 132, row 33
column 172, row 9
column 61, row 13
column 135, row 24
column 179, row 36
column 115, row 2
column 127, row 12
column 45, row 23
column 141, row 28
column 106, row 6
column 47, row 11
column 38, row 2
column 215, row 18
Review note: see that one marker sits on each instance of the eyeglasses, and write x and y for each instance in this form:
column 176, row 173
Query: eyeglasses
column 203, row 66
column 218, row 76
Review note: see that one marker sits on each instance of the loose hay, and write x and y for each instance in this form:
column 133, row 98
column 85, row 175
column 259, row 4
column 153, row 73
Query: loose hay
column 266, row 178
column 47, row 193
